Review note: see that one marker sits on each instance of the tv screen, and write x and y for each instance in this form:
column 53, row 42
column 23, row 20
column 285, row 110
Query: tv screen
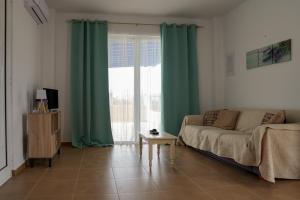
column 52, row 97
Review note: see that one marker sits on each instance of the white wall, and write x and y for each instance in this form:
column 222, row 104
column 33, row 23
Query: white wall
column 48, row 52
column 25, row 76
column 218, row 63
column 62, row 54
column 252, row 25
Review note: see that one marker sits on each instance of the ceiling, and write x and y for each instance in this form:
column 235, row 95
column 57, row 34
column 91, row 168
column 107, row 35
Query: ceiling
column 166, row 8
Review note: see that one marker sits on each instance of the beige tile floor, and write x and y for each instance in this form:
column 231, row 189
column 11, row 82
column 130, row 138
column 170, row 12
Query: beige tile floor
column 118, row 173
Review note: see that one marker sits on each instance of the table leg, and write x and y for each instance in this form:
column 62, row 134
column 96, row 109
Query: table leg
column 172, row 152
column 158, row 150
column 141, row 146
column 150, row 155
column 31, row 161
column 50, row 162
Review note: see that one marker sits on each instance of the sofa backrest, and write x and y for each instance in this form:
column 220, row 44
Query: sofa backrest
column 292, row 116
column 251, row 118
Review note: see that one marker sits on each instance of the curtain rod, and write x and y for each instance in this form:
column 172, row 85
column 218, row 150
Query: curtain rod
column 141, row 24
column 137, row 24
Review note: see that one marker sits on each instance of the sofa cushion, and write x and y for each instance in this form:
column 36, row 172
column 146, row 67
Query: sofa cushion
column 227, row 119
column 193, row 128
column 194, row 120
column 249, row 119
column 210, row 139
column 210, row 117
column 278, row 118
column 267, row 117
column 232, row 144
column 191, row 134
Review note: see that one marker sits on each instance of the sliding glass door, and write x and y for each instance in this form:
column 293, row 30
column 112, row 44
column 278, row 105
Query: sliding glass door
column 134, row 85
column 121, row 87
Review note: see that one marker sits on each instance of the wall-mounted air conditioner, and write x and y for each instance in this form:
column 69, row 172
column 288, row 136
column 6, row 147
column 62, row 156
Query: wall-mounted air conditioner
column 38, row 9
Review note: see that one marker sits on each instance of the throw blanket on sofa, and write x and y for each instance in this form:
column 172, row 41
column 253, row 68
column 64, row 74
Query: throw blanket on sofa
column 278, row 151
column 273, row 148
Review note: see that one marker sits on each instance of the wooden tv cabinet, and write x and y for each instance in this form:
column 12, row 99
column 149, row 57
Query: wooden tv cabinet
column 43, row 136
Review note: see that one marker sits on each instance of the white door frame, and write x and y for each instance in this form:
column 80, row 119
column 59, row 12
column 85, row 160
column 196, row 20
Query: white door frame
column 137, row 89
column 6, row 172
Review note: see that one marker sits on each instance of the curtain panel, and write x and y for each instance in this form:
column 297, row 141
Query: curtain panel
column 90, row 114
column 180, row 94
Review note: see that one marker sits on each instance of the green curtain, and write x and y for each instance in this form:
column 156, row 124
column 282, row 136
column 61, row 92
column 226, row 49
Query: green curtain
column 179, row 75
column 90, row 117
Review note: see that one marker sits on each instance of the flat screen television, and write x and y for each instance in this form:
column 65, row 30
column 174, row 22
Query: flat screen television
column 52, row 98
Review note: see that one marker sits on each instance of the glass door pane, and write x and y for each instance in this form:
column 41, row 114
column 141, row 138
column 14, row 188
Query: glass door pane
column 150, row 76
column 121, row 88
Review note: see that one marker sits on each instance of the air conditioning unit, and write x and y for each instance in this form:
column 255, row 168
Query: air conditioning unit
column 38, row 9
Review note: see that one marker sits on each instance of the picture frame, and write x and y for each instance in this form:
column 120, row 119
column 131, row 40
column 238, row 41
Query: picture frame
column 276, row 53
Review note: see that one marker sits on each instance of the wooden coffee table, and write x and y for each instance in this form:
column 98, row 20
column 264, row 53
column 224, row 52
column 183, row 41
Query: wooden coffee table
column 162, row 138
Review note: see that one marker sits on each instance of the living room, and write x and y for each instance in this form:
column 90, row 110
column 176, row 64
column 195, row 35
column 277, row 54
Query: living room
column 216, row 79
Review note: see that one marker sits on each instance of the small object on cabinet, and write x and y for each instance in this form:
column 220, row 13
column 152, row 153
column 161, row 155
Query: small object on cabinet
column 41, row 98
column 154, row 132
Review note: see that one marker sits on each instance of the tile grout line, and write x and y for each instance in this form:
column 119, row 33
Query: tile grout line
column 189, row 178
column 213, row 198
column 77, row 176
column 164, row 157
column 153, row 182
column 145, row 167
column 254, row 194
column 181, row 171
column 115, row 181
column 36, row 184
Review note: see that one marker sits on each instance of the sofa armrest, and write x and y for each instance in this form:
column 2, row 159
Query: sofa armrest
column 288, row 127
column 194, row 120
column 189, row 120
column 277, row 149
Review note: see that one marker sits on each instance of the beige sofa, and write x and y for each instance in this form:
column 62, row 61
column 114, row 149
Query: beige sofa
column 273, row 148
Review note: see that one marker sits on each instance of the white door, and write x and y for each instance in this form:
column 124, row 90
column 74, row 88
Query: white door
column 4, row 172
column 134, row 85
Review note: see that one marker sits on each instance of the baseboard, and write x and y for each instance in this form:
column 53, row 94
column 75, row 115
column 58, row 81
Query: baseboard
column 19, row 170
